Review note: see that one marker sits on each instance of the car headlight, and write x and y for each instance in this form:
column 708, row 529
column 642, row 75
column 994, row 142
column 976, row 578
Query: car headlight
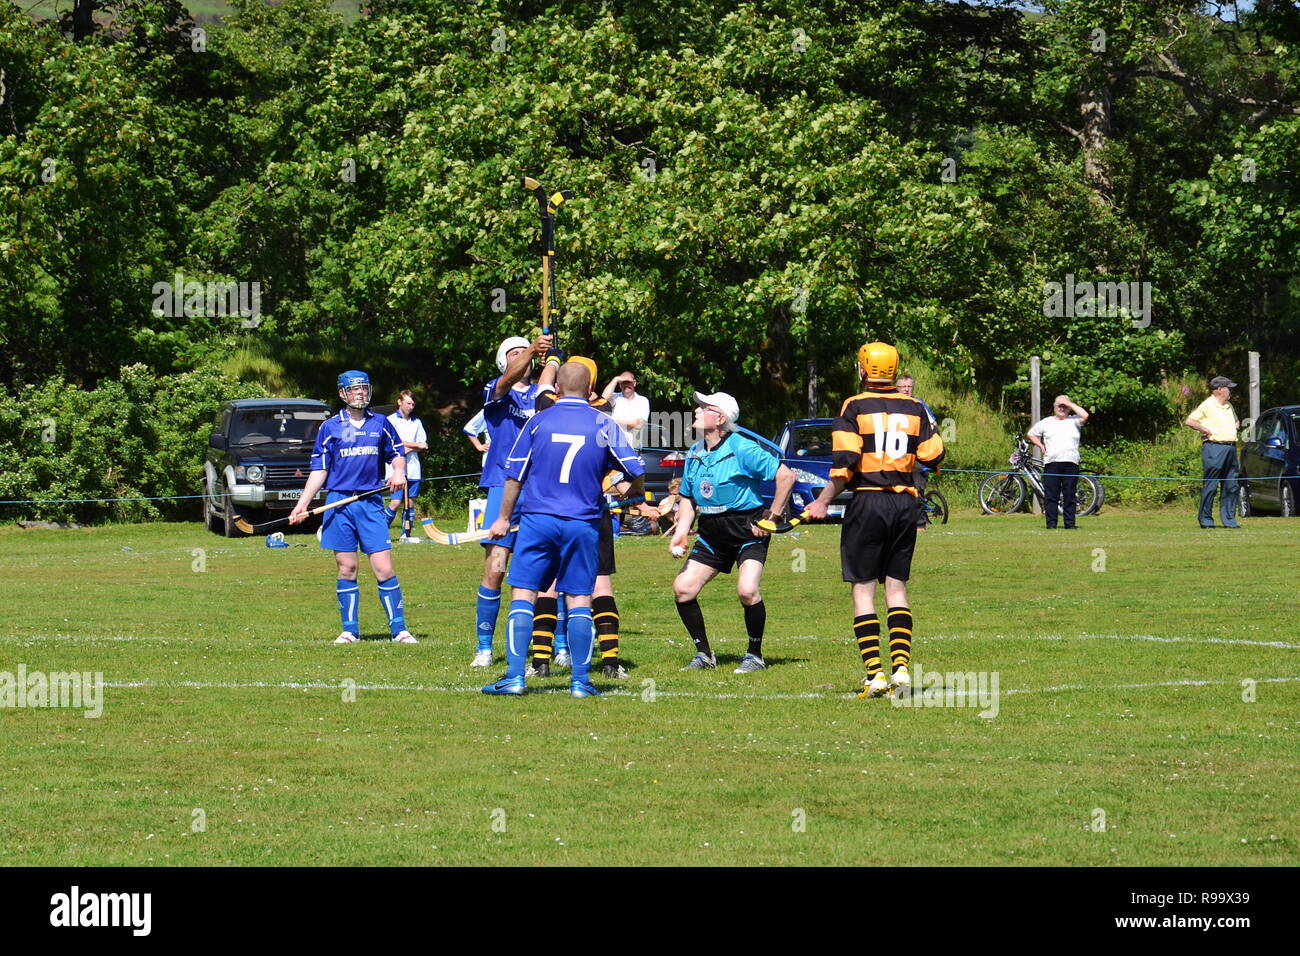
column 255, row 473
column 808, row 478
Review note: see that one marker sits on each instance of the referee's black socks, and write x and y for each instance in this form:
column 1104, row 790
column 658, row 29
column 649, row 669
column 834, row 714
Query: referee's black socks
column 755, row 622
column 693, row 618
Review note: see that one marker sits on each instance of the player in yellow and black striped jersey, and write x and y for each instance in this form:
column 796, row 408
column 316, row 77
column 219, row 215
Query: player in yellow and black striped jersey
column 878, row 439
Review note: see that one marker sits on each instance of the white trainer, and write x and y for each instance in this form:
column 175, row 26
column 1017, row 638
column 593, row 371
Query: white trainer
column 404, row 637
column 900, row 684
column 561, row 659
column 482, row 659
column 347, row 637
column 878, row 686
column 407, row 539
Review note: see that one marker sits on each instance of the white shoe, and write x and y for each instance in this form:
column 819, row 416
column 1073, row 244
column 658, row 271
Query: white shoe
column 878, row 686
column 405, row 637
column 407, row 539
column 561, row 659
column 900, row 684
column 347, row 637
column 482, row 659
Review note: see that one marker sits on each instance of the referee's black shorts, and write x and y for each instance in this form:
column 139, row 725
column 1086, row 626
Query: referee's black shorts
column 728, row 538
column 878, row 536
column 605, row 549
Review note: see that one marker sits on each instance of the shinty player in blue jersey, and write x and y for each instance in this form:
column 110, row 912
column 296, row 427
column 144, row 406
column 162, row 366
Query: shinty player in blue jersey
column 558, row 463
column 351, row 452
column 509, row 401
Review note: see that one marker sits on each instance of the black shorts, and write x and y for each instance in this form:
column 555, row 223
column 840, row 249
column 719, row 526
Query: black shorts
column 878, row 536
column 605, row 554
column 727, row 539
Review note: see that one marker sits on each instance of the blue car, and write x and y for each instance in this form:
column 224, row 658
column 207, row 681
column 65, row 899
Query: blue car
column 806, row 449
column 1270, row 465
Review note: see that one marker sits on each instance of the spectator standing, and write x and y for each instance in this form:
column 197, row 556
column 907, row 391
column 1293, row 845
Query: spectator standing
column 1057, row 437
column 1216, row 420
column 629, row 409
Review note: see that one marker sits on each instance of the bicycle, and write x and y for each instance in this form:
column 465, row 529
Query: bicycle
column 934, row 507
column 1005, row 492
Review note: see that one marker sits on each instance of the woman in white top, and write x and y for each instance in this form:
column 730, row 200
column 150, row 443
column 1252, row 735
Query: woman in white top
column 1057, row 438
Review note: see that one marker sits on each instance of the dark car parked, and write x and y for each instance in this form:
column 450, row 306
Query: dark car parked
column 806, row 448
column 1270, row 465
column 258, row 460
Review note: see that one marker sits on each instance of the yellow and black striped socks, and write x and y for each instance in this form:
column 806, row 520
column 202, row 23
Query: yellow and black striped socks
column 866, row 628
column 900, row 637
column 544, row 618
column 604, row 612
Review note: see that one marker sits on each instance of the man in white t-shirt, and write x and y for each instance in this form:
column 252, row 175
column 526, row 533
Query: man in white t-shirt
column 411, row 430
column 628, row 408
column 1057, row 438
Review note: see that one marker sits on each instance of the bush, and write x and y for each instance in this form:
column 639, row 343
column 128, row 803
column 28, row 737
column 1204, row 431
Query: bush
column 139, row 436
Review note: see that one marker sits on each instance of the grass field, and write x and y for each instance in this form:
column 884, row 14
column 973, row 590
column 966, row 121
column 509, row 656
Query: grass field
column 226, row 737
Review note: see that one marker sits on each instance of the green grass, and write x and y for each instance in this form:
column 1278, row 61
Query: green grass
column 204, row 710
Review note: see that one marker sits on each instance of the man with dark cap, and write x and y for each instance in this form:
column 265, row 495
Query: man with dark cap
column 1217, row 422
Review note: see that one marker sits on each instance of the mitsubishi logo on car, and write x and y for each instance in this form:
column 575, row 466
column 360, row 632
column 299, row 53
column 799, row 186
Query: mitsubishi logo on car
column 297, row 472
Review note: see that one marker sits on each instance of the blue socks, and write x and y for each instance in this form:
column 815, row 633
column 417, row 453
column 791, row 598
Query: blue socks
column 485, row 611
column 519, row 637
column 348, row 594
column 580, row 639
column 561, row 624
column 390, row 596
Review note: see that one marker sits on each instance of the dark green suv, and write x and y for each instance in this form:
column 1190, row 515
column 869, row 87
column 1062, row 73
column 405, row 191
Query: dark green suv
column 258, row 460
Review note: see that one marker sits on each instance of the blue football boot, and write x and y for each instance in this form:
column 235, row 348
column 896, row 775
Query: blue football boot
column 513, row 686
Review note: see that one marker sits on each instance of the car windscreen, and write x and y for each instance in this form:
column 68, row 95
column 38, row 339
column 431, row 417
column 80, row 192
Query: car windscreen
column 811, row 441
column 287, row 425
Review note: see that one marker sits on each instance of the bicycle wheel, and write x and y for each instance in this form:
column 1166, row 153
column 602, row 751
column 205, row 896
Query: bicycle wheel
column 1002, row 494
column 936, row 506
column 1089, row 494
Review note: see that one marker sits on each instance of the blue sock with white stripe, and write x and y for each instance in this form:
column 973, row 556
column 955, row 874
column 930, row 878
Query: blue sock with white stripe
column 390, row 596
column 489, row 604
column 519, row 637
column 580, row 640
column 349, row 593
column 561, row 624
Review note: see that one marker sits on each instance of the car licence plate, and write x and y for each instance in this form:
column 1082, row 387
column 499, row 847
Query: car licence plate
column 290, row 495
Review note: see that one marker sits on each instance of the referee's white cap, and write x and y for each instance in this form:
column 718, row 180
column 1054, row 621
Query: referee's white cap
column 722, row 402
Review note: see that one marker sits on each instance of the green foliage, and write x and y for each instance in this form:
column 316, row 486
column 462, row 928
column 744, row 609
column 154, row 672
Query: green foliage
column 139, row 435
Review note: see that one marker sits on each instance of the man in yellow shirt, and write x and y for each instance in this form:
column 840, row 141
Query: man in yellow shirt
column 1216, row 420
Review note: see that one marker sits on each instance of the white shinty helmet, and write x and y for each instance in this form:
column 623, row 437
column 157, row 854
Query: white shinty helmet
column 509, row 345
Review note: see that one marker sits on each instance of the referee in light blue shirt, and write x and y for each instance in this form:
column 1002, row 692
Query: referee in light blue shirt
column 558, row 461
column 350, row 455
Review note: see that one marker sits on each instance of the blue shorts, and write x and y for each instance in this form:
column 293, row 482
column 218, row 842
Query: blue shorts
column 490, row 512
column 361, row 524
column 562, row 550
column 412, row 491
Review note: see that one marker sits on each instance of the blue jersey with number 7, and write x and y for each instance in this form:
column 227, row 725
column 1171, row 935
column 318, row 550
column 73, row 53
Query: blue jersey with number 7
column 561, row 456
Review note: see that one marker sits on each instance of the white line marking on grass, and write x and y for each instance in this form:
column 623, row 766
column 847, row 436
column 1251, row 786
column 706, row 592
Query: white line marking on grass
column 1154, row 638
column 619, row 692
